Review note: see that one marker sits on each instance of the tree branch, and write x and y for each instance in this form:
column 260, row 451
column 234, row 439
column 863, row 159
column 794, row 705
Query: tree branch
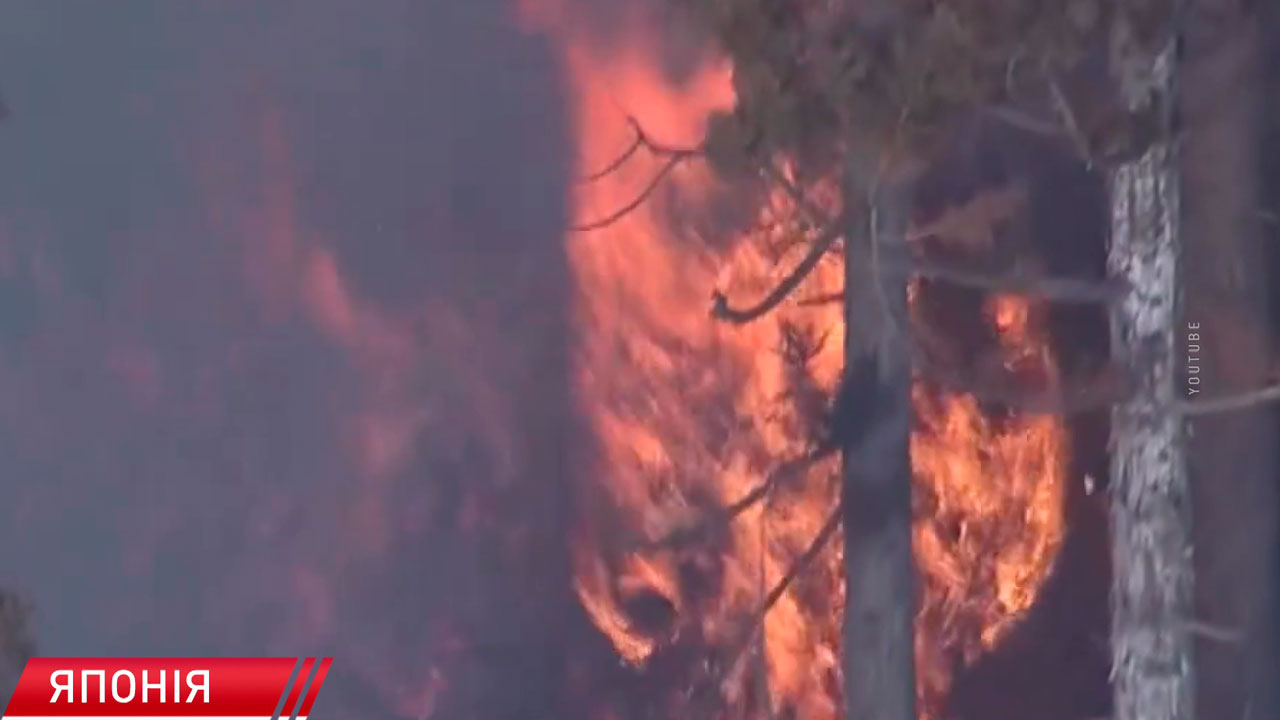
column 722, row 517
column 1069, row 290
column 1059, row 289
column 721, row 310
column 1025, row 121
column 1069, row 122
column 1229, row 403
column 1209, row 631
column 636, row 202
column 801, row 562
column 674, row 156
column 619, row 161
column 760, row 664
column 779, row 588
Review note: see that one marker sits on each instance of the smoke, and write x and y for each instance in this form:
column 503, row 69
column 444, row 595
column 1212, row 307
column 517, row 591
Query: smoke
column 282, row 342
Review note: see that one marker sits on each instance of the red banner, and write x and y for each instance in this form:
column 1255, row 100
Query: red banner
column 158, row 688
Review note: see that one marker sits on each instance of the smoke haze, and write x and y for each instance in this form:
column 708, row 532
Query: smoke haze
column 282, row 338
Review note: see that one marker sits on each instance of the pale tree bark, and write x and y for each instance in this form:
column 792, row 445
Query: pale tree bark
column 1151, row 645
column 879, row 665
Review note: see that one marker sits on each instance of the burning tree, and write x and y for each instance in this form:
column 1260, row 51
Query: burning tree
column 880, row 84
column 862, row 97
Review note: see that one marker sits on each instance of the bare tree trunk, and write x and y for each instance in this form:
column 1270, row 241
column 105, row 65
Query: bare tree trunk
column 1232, row 458
column 1150, row 499
column 879, row 667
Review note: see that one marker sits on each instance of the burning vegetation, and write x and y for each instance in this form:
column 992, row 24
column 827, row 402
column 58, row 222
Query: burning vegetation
column 769, row 434
column 703, row 545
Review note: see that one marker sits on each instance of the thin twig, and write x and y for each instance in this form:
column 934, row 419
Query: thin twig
column 1229, row 403
column 1025, row 121
column 779, row 588
column 674, row 156
column 801, row 562
column 722, row 517
column 1212, row 632
column 764, row 696
column 721, row 310
column 640, row 140
column 636, row 202
column 1072, row 290
column 1069, row 122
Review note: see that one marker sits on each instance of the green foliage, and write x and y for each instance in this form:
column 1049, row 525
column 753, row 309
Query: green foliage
column 812, row 75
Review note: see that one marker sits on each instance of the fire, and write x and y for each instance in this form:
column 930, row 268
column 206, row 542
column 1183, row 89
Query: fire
column 689, row 415
column 994, row 517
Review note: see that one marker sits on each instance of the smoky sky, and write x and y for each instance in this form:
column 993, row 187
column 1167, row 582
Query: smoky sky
column 282, row 337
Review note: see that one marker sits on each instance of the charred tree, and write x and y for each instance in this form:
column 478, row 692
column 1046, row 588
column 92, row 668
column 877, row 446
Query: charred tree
column 1151, row 643
column 880, row 592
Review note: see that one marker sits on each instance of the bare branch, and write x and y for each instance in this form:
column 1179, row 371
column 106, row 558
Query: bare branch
column 622, row 159
column 721, row 310
column 722, row 517
column 1069, row 290
column 760, row 665
column 801, row 562
column 1229, row 403
column 674, row 156
column 1212, row 632
column 1023, row 283
column 636, row 202
column 1069, row 122
column 1025, row 121
column 798, row 566
column 972, row 225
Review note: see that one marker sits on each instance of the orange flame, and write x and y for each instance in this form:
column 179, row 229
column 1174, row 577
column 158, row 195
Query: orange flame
column 689, row 415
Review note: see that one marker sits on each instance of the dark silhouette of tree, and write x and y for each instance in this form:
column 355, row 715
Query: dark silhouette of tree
column 17, row 644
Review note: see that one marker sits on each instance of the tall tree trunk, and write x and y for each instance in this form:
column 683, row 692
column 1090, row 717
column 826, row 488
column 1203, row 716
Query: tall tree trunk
column 1231, row 455
column 879, row 667
column 1150, row 521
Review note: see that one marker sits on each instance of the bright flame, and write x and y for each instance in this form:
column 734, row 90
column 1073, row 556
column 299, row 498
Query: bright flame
column 690, row 414
column 994, row 517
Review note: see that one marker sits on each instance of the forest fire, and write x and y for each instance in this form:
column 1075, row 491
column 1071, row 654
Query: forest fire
column 690, row 416
column 561, row 359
